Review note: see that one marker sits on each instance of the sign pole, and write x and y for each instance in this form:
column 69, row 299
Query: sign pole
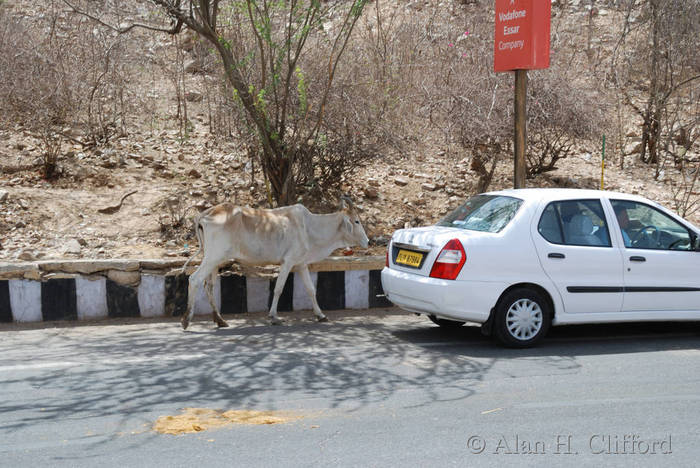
column 602, row 167
column 521, row 43
column 520, row 133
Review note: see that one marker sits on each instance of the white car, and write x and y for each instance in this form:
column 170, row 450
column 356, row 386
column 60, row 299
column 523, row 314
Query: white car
column 520, row 261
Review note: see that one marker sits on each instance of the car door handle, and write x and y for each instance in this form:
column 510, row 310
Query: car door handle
column 636, row 258
column 556, row 255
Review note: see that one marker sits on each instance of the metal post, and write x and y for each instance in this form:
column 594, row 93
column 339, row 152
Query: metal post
column 520, row 134
column 602, row 167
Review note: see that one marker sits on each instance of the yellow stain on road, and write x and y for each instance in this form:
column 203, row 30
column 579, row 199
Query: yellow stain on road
column 202, row 419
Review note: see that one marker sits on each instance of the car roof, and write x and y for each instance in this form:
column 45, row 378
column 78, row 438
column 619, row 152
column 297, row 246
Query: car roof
column 537, row 194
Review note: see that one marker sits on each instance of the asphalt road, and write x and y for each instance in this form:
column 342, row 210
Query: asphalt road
column 381, row 389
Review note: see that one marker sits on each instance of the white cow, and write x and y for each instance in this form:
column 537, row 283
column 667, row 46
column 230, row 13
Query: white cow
column 290, row 237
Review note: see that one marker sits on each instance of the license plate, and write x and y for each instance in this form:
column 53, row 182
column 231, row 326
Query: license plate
column 412, row 259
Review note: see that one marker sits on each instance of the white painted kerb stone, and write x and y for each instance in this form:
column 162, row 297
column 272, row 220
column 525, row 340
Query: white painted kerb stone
column 91, row 298
column 151, row 296
column 357, row 289
column 25, row 300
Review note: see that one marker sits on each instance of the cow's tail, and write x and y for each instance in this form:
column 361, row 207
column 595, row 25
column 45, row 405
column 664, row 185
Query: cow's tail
column 199, row 231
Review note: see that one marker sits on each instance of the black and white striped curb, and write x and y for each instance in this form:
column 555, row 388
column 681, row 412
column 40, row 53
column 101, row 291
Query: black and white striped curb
column 90, row 297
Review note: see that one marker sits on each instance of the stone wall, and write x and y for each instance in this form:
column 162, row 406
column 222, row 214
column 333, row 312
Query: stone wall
column 95, row 289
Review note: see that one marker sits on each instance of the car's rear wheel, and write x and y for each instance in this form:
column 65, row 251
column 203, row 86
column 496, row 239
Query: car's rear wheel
column 445, row 323
column 522, row 318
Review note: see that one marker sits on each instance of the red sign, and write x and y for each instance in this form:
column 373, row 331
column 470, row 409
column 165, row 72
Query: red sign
column 522, row 35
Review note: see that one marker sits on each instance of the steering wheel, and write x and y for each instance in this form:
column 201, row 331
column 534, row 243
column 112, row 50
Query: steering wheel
column 679, row 242
column 653, row 236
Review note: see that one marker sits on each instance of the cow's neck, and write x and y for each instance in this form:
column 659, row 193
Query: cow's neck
column 325, row 232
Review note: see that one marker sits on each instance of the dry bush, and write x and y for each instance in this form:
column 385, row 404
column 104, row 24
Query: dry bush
column 559, row 116
column 35, row 90
column 654, row 63
column 685, row 188
column 62, row 79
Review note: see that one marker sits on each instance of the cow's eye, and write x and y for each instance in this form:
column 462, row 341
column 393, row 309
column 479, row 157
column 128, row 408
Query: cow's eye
column 357, row 222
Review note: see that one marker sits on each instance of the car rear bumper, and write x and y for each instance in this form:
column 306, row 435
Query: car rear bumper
column 457, row 300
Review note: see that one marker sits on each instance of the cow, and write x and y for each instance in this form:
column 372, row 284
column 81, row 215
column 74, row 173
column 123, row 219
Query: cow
column 289, row 236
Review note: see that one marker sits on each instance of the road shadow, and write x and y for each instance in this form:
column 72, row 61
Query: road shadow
column 566, row 340
column 125, row 372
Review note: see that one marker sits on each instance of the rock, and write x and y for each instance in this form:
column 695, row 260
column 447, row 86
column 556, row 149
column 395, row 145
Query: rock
column 27, row 255
column 371, row 193
column 82, row 241
column 400, row 181
column 194, row 66
column 193, row 96
column 380, row 240
column 429, row 187
column 125, row 278
column 194, row 173
column 23, row 203
column 109, row 163
column 202, row 205
column 3, row 195
column 32, row 274
column 633, row 149
column 72, row 247
column 20, row 224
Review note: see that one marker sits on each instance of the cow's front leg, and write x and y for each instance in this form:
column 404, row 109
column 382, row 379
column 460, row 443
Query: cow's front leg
column 306, row 278
column 279, row 287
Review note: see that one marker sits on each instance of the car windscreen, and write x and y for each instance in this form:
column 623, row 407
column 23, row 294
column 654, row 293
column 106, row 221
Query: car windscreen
column 486, row 213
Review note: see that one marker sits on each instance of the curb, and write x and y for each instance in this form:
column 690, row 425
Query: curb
column 97, row 289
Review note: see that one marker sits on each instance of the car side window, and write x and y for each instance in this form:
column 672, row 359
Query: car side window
column 575, row 222
column 645, row 227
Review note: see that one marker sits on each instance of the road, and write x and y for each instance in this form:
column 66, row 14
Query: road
column 380, row 389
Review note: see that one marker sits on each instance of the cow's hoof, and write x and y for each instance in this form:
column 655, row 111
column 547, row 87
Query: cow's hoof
column 185, row 324
column 222, row 324
column 323, row 319
column 275, row 321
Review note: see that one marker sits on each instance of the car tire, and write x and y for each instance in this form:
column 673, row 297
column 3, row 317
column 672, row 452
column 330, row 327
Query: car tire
column 445, row 323
column 522, row 318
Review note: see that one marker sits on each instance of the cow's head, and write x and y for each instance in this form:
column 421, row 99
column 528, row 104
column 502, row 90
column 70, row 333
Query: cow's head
column 353, row 232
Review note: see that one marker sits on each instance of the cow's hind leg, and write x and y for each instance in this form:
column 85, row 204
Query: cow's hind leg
column 306, row 278
column 197, row 279
column 209, row 288
column 194, row 282
column 279, row 287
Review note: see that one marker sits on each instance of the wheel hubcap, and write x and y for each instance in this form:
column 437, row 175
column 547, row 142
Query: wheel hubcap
column 524, row 319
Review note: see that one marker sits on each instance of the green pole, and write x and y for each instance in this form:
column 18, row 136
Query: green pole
column 602, row 167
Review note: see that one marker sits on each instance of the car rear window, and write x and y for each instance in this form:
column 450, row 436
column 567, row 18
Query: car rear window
column 486, row 213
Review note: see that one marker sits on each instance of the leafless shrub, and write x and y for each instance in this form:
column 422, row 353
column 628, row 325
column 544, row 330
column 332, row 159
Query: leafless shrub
column 173, row 215
column 651, row 64
column 62, row 80
column 686, row 199
column 34, row 90
column 559, row 116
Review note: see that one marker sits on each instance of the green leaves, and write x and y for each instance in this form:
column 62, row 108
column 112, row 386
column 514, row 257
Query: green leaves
column 301, row 89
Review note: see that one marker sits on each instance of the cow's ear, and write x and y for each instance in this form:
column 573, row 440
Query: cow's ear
column 343, row 205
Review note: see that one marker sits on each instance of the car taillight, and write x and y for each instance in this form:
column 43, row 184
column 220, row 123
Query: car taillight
column 387, row 257
column 450, row 261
